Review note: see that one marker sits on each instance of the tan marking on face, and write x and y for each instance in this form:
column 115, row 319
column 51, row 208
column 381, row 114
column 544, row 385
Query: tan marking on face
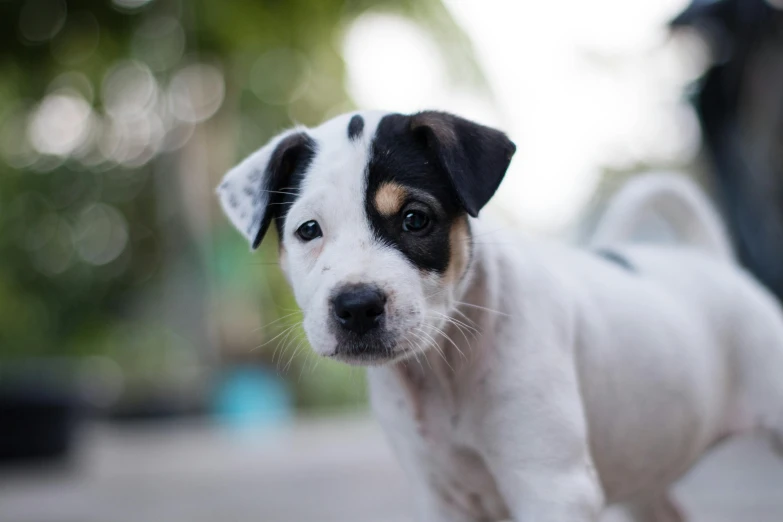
column 389, row 198
column 459, row 251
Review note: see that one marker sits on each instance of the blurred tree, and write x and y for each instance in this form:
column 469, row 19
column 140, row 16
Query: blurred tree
column 116, row 120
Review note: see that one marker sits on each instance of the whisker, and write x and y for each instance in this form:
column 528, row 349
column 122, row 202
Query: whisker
column 415, row 350
column 460, row 329
column 315, row 365
column 284, row 192
column 282, row 309
column 276, row 336
column 422, row 346
column 459, row 326
column 279, row 363
column 437, row 348
column 449, row 339
column 482, row 308
column 418, row 356
column 294, row 336
column 302, row 369
column 416, row 353
column 474, row 331
column 286, row 316
column 296, row 350
column 283, row 344
column 283, row 372
column 464, row 315
column 457, row 322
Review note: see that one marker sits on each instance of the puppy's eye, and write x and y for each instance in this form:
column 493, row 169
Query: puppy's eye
column 309, row 231
column 415, row 221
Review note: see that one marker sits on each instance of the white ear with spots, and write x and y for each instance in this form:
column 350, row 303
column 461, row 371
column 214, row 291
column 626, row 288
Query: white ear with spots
column 249, row 190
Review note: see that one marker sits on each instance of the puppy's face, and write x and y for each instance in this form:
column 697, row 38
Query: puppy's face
column 372, row 214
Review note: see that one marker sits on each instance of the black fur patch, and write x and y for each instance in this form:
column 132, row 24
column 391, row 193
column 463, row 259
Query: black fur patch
column 474, row 157
column 399, row 155
column 616, row 258
column 355, row 127
column 449, row 165
column 284, row 174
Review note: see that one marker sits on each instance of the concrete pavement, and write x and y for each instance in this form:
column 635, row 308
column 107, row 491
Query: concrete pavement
column 325, row 471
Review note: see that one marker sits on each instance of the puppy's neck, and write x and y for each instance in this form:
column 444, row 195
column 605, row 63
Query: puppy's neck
column 477, row 303
column 462, row 341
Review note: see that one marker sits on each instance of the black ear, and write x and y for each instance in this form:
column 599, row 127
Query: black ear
column 475, row 157
column 265, row 184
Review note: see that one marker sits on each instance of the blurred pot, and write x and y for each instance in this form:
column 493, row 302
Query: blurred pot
column 38, row 412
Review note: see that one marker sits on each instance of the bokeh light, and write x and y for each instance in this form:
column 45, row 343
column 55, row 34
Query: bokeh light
column 159, row 42
column 60, row 123
column 100, row 234
column 129, row 89
column 196, row 92
column 41, row 20
column 73, row 81
column 406, row 76
column 130, row 4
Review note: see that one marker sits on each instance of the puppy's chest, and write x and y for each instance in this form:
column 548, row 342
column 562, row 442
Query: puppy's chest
column 433, row 429
column 455, row 469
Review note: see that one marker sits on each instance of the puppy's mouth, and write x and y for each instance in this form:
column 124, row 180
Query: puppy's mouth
column 367, row 352
column 361, row 339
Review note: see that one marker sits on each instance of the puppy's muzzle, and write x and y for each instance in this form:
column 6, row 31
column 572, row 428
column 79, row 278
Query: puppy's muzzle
column 359, row 308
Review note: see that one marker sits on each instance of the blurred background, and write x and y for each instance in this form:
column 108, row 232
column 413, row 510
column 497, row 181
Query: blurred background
column 151, row 369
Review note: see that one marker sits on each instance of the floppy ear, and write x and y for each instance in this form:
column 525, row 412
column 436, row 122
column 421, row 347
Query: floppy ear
column 254, row 193
column 475, row 157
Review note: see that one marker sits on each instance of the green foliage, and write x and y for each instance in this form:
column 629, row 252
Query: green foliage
column 105, row 255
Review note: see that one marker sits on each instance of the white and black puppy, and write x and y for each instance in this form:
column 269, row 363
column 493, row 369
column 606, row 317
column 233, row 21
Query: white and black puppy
column 515, row 378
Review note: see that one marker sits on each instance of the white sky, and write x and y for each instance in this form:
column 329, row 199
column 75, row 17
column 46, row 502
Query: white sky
column 577, row 85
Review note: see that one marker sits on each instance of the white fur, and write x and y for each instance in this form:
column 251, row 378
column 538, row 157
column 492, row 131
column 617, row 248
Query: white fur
column 674, row 198
column 333, row 194
column 556, row 382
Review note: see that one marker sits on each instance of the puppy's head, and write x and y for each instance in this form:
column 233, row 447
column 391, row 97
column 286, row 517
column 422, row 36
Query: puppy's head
column 372, row 214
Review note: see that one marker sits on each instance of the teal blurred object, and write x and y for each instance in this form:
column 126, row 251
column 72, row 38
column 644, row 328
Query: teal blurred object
column 251, row 397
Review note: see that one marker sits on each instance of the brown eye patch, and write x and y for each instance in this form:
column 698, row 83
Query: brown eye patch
column 389, row 198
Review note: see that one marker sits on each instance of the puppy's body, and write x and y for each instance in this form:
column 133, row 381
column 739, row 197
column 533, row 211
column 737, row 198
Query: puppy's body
column 519, row 379
column 663, row 358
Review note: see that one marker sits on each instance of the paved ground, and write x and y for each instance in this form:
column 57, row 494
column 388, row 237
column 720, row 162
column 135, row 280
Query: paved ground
column 315, row 471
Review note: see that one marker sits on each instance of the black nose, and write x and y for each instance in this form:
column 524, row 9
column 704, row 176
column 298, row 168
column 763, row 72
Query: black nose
column 359, row 308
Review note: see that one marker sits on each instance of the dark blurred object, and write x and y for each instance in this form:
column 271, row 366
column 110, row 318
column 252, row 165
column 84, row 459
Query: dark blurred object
column 740, row 104
column 38, row 418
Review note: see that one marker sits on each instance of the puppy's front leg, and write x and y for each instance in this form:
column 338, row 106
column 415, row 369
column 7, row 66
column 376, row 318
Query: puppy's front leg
column 433, row 507
column 534, row 439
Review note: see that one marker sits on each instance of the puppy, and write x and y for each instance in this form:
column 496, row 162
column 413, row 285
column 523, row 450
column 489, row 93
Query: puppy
column 516, row 379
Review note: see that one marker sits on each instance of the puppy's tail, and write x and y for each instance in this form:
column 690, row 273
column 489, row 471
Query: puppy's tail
column 669, row 198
